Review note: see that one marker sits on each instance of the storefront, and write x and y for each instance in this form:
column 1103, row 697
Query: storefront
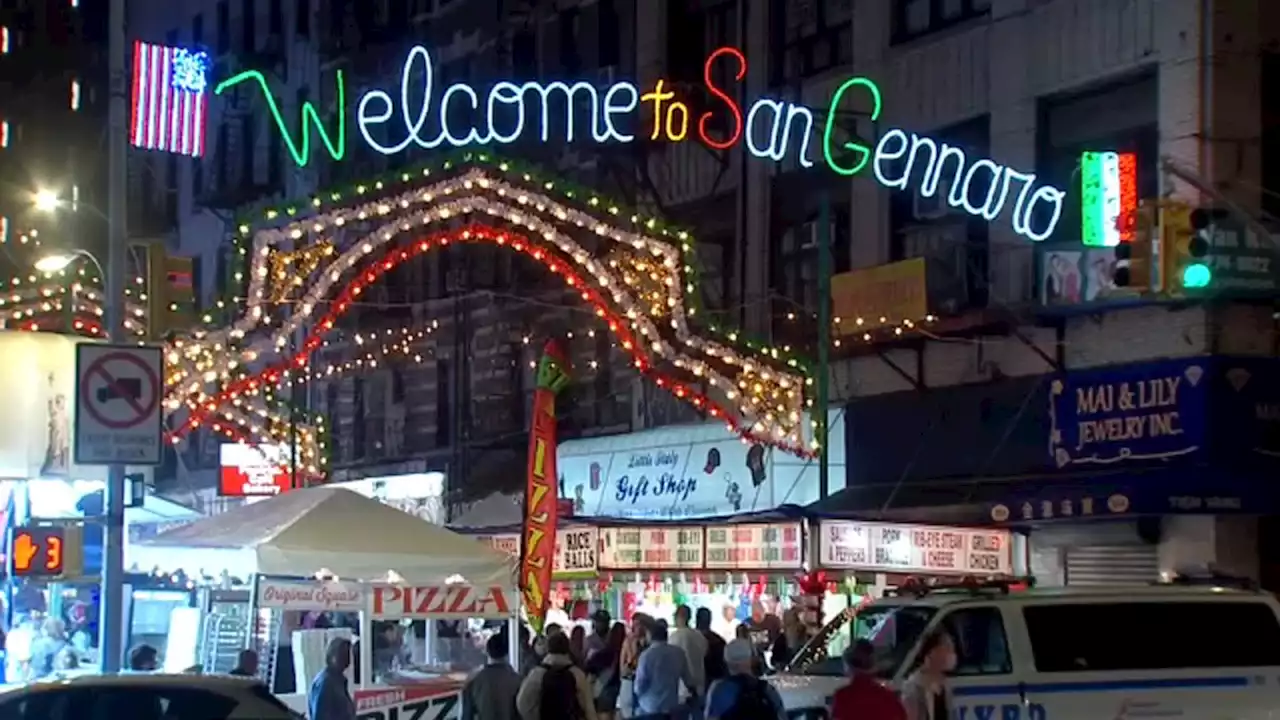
column 1116, row 475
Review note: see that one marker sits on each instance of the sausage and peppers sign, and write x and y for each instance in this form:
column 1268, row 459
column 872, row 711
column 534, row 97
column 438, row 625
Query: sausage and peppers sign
column 502, row 113
column 540, row 512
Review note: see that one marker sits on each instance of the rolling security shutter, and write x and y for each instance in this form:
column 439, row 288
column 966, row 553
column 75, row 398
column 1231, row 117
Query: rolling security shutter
column 1111, row 565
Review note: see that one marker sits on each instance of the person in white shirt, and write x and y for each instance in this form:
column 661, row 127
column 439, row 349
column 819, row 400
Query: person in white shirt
column 727, row 626
column 694, row 647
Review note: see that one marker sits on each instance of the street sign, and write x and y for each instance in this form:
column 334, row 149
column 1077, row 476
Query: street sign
column 119, row 389
column 46, row 552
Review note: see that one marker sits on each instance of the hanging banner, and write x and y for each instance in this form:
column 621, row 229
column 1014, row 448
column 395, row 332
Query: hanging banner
column 538, row 548
column 775, row 546
column 651, row 548
column 913, row 548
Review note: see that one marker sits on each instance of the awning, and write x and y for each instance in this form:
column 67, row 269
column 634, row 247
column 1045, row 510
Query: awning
column 1052, row 497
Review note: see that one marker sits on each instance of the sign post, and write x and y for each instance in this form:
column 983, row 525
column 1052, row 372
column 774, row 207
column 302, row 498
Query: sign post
column 119, row 390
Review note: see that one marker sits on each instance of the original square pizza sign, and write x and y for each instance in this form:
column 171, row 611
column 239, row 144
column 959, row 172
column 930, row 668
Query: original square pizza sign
column 437, row 701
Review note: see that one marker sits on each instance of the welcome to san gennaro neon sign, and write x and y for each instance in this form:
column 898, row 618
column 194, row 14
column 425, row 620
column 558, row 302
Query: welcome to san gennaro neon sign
column 769, row 129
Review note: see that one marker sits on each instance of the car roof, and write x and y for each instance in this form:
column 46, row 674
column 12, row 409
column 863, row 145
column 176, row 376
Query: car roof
column 224, row 683
column 1158, row 592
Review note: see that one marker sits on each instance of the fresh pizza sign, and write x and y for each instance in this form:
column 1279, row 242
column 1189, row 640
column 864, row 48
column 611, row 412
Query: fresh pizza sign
column 430, row 702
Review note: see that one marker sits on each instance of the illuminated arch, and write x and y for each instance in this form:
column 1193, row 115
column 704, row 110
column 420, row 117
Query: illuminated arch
column 641, row 280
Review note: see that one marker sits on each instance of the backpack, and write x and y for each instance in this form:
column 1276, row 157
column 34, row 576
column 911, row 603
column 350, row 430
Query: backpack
column 753, row 701
column 559, row 693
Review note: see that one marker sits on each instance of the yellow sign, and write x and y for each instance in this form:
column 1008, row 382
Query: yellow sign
column 880, row 296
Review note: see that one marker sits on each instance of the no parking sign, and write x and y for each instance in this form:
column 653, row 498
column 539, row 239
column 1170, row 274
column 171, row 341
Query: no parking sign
column 119, row 391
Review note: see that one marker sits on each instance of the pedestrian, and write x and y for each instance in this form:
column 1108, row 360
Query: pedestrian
column 637, row 640
column 864, row 698
column 246, row 664
column 144, row 658
column 601, row 624
column 926, row 694
column 694, row 647
column 556, row 689
column 578, row 645
column 604, row 667
column 529, row 655
column 713, row 661
column 788, row 642
column 329, row 698
column 741, row 695
column 490, row 694
column 661, row 669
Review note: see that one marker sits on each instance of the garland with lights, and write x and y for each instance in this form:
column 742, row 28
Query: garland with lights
column 637, row 277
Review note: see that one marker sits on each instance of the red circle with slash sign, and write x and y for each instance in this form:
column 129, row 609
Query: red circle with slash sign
column 143, row 411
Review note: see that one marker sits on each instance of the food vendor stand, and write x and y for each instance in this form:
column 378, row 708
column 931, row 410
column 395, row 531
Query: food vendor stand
column 332, row 550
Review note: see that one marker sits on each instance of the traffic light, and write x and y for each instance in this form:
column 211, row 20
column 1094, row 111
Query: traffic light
column 1133, row 266
column 171, row 294
column 1197, row 271
column 46, row 552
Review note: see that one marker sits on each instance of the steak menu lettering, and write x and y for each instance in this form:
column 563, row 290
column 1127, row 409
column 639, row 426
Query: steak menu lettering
column 913, row 548
column 651, row 548
column 1144, row 412
column 754, row 547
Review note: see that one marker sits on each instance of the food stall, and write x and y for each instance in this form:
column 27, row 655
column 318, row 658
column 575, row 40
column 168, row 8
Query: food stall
column 355, row 559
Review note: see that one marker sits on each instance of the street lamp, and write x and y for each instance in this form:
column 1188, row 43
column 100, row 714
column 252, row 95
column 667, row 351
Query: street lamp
column 59, row 262
column 46, row 200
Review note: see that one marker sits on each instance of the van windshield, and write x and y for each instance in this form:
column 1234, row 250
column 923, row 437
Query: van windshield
column 893, row 629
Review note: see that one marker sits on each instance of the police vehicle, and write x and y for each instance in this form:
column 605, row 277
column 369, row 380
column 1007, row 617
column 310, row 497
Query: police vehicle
column 144, row 696
column 1190, row 650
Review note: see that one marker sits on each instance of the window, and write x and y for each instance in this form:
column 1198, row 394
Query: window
column 981, row 645
column 275, row 18
column 916, row 18
column 570, row 58
column 609, row 34
column 1124, row 636
column 223, row 18
column 809, row 37
column 302, row 20
column 197, row 30
column 249, row 42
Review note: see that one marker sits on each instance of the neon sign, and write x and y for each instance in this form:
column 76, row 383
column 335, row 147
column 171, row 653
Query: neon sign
column 769, row 129
column 1108, row 198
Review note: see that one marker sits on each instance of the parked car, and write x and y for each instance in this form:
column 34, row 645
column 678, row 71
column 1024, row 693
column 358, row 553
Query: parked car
column 144, row 696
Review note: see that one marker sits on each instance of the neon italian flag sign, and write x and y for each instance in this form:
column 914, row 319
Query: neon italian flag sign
column 417, row 115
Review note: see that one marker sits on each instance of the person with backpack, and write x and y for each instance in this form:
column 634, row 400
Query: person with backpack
column 556, row 689
column 742, row 695
column 713, row 667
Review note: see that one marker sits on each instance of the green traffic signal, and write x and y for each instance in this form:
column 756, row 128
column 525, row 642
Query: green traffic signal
column 1196, row 275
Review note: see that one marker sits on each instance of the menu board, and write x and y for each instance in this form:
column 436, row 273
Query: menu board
column 651, row 548
column 913, row 548
column 575, row 552
column 774, row 546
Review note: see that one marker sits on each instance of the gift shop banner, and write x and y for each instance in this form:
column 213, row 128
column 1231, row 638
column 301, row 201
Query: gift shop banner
column 687, row 472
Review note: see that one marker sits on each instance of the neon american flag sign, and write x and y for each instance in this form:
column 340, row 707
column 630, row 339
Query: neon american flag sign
column 170, row 103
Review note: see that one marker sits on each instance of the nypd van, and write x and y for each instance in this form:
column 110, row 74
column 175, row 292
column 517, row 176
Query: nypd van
column 1190, row 652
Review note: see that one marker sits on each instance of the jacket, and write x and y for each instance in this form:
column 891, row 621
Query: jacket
column 918, row 697
column 490, row 694
column 529, row 699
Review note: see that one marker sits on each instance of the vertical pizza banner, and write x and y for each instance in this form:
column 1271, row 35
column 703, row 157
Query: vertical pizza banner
column 541, row 496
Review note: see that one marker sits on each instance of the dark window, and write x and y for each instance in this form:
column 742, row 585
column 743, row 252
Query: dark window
column 197, row 30
column 981, row 645
column 524, row 55
column 609, row 34
column 397, row 386
column 224, row 26
column 247, row 16
column 1122, row 636
column 570, row 57
column 171, row 38
column 444, row 403
column 808, row 38
column 247, row 155
column 796, row 259
column 275, row 18
column 224, row 157
column 358, row 422
column 275, row 161
column 916, row 18
column 302, row 20
column 197, row 178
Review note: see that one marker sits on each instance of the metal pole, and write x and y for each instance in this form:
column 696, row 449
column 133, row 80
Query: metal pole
column 111, row 602
column 824, row 337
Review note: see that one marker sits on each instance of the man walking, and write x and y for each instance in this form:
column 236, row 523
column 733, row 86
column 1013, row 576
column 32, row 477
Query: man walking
column 713, row 659
column 329, row 698
column 864, row 698
column 661, row 669
column 742, row 695
column 694, row 647
column 490, row 694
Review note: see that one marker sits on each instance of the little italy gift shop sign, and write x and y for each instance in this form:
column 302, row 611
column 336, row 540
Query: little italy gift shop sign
column 463, row 115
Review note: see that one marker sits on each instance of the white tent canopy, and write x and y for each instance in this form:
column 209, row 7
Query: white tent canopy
column 330, row 530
